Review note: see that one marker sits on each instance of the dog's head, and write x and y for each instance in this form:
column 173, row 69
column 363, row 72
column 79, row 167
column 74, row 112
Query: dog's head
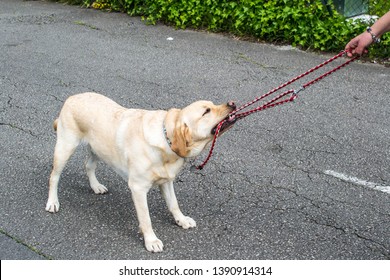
column 195, row 126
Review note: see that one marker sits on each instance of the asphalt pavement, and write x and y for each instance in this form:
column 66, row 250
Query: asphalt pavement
column 294, row 182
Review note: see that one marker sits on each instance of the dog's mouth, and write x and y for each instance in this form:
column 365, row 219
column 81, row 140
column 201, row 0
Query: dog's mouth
column 228, row 123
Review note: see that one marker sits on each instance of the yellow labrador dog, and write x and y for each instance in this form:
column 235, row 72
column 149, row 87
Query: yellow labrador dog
column 145, row 147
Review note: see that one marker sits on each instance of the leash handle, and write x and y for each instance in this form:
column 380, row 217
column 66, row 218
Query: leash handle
column 233, row 116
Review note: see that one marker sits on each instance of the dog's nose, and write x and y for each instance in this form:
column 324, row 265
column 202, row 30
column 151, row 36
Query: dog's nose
column 232, row 105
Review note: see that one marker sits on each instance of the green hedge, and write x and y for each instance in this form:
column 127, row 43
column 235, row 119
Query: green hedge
column 306, row 24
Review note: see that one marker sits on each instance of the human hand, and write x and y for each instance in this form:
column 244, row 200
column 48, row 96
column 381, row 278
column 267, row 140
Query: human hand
column 359, row 45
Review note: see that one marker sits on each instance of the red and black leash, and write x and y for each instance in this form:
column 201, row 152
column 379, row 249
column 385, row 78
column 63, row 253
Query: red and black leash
column 276, row 101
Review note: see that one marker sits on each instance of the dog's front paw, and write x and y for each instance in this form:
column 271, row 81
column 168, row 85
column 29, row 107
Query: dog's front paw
column 99, row 189
column 186, row 222
column 154, row 246
column 53, row 206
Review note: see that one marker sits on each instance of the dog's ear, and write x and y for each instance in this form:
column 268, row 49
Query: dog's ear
column 181, row 139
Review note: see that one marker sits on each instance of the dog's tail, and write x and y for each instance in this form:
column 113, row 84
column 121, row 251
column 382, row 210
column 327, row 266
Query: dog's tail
column 55, row 124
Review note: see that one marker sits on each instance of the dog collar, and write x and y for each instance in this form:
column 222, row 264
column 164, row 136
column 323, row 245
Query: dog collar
column 166, row 136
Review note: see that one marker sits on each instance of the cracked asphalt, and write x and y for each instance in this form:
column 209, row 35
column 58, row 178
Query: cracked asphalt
column 263, row 195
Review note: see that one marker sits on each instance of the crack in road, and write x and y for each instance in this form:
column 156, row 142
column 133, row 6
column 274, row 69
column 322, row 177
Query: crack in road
column 13, row 126
column 379, row 247
column 28, row 246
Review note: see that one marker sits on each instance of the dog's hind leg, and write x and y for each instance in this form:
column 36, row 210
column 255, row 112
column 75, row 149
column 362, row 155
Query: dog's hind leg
column 65, row 147
column 90, row 166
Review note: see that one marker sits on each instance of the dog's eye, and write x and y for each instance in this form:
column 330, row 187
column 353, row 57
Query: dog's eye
column 207, row 111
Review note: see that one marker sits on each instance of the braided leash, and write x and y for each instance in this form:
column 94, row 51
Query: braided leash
column 234, row 116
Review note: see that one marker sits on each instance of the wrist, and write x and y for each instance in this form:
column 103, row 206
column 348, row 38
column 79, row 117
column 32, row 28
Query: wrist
column 375, row 38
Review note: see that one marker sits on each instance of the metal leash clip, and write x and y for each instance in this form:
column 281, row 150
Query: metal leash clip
column 296, row 91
